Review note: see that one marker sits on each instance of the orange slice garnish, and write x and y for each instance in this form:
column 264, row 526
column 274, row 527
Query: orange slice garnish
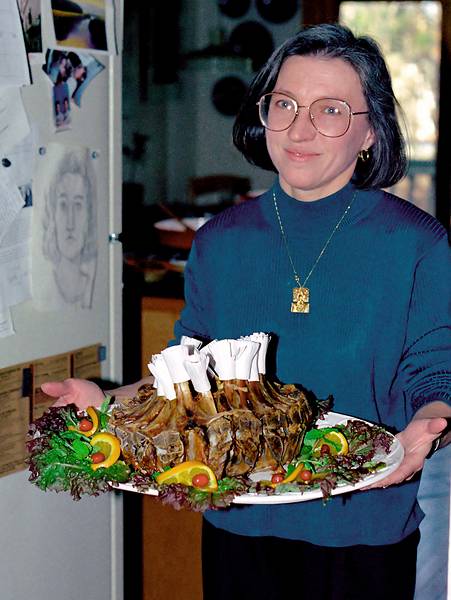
column 189, row 473
column 92, row 414
column 109, row 445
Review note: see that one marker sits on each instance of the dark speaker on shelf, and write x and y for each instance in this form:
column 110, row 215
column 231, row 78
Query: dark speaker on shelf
column 166, row 41
column 227, row 94
column 253, row 40
column 234, row 8
column 277, row 11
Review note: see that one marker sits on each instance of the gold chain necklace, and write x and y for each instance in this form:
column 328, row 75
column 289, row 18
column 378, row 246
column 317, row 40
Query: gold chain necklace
column 301, row 294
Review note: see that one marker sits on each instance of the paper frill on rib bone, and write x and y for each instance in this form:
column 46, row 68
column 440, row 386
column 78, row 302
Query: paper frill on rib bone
column 213, row 403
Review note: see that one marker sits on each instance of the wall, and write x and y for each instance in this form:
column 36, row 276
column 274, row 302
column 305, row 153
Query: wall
column 187, row 136
column 144, row 105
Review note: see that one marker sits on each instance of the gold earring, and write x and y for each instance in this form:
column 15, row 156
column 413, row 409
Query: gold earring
column 364, row 155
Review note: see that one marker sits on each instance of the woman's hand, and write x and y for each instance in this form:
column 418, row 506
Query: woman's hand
column 416, row 439
column 80, row 392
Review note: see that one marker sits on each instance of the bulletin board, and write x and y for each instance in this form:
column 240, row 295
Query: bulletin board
column 23, row 401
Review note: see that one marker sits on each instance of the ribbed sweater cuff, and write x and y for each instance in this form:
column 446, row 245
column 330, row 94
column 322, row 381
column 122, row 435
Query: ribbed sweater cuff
column 437, row 396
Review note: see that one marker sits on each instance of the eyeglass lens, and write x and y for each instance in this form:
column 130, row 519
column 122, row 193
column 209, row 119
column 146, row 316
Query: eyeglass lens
column 329, row 116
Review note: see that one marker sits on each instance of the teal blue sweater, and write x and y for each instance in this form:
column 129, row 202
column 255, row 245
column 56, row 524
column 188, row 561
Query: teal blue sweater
column 378, row 335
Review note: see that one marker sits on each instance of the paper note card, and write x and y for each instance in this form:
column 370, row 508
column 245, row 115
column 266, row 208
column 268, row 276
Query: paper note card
column 52, row 368
column 14, row 419
column 86, row 362
column 14, row 423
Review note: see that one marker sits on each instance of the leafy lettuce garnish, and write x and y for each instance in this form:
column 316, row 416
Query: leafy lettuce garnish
column 181, row 496
column 59, row 458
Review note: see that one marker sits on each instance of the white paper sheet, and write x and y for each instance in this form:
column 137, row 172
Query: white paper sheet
column 15, row 261
column 20, row 157
column 11, row 202
column 14, row 68
column 14, row 125
column 6, row 323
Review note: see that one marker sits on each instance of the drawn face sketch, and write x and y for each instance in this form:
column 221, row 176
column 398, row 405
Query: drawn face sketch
column 71, row 215
column 70, row 231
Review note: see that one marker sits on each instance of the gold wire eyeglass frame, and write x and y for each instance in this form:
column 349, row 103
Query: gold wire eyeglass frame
column 312, row 118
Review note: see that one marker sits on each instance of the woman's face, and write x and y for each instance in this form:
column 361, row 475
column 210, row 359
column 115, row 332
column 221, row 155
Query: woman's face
column 310, row 165
column 71, row 215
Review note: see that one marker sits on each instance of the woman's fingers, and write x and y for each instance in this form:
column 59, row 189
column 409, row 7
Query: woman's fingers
column 55, row 388
column 80, row 392
column 416, row 439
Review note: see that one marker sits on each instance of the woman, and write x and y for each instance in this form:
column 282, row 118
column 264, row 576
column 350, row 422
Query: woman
column 353, row 284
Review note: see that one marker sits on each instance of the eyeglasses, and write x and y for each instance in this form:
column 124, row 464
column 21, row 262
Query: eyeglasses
column 329, row 116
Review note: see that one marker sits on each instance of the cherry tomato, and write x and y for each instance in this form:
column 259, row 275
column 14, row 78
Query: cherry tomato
column 325, row 449
column 200, row 480
column 305, row 475
column 277, row 477
column 97, row 457
column 85, row 425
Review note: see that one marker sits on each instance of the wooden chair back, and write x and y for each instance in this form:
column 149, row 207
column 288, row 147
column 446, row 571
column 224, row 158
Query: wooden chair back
column 230, row 184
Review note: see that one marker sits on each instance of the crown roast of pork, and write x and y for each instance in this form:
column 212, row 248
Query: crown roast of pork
column 213, row 404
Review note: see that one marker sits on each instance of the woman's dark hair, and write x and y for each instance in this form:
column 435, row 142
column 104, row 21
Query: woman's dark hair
column 387, row 163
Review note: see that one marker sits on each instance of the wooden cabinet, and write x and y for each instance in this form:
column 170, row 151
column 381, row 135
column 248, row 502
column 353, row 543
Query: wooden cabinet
column 158, row 316
column 171, row 540
column 171, row 552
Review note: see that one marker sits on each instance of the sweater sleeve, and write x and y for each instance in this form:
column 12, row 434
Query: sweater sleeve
column 192, row 321
column 424, row 372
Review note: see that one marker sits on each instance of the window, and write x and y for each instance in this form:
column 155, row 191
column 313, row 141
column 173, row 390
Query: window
column 410, row 37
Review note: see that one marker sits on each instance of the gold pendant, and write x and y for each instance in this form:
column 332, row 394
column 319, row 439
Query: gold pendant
column 300, row 302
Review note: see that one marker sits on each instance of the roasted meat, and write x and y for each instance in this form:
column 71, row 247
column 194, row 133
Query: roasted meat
column 264, row 428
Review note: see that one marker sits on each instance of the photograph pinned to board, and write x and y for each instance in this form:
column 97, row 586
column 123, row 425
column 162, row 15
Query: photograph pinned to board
column 64, row 234
column 70, row 73
column 61, row 106
column 30, row 13
column 14, row 67
column 75, row 69
column 85, row 24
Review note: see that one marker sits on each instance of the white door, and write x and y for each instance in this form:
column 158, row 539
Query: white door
column 52, row 547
